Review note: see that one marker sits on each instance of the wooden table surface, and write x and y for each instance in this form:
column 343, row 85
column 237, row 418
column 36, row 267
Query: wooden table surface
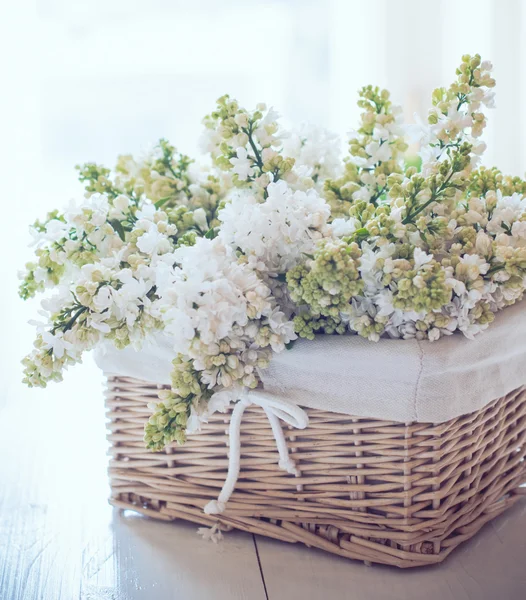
column 60, row 540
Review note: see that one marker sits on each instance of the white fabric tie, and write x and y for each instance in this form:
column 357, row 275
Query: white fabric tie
column 275, row 408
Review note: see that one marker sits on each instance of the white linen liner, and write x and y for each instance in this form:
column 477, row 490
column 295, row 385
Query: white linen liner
column 395, row 380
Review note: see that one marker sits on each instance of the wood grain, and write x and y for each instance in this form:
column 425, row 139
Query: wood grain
column 488, row 567
column 60, row 539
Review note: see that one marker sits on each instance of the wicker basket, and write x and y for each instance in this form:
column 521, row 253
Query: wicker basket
column 377, row 491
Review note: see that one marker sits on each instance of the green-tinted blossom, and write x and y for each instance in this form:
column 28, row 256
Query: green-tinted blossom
column 484, row 179
column 49, row 270
column 327, row 283
column 96, row 179
column 307, row 325
column 168, row 421
column 371, row 162
column 422, row 290
column 246, row 144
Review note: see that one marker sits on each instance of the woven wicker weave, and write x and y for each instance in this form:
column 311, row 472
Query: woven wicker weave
column 377, row 491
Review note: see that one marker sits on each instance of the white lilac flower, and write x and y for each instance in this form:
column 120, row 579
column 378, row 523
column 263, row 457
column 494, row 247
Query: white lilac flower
column 242, row 166
column 518, row 230
column 56, row 343
column 474, row 265
column 317, row 149
column 507, row 210
column 278, row 231
column 421, row 258
column 343, row 227
column 379, row 152
column 153, row 241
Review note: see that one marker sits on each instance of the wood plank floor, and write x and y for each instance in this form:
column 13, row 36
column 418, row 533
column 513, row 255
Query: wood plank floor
column 60, row 540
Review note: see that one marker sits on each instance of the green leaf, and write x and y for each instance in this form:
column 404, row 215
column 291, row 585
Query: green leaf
column 117, row 225
column 211, row 234
column 361, row 234
column 161, row 201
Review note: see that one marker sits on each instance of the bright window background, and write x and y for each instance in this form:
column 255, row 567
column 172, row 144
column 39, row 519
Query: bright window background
column 89, row 80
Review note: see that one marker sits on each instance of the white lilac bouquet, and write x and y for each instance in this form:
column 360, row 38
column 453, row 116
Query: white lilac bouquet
column 280, row 237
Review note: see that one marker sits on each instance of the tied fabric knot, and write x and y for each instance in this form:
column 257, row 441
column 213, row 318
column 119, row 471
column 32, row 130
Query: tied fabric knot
column 276, row 410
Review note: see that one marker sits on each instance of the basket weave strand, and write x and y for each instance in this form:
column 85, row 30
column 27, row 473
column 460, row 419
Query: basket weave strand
column 366, row 489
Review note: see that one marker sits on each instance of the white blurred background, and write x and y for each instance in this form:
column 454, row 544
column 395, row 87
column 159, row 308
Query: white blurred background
column 85, row 81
